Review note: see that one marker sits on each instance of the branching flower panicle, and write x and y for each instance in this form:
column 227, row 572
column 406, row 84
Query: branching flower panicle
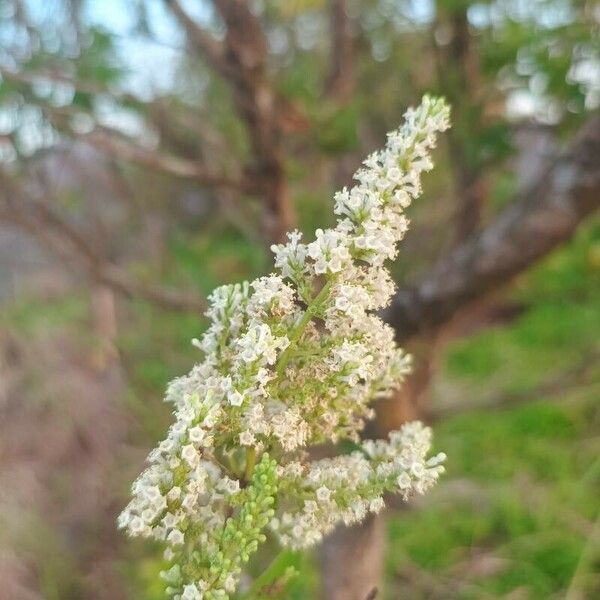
column 290, row 360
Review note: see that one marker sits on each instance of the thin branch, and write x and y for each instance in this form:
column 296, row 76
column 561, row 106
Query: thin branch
column 340, row 80
column 161, row 109
column 533, row 225
column 119, row 146
column 115, row 144
column 241, row 60
column 204, row 41
column 188, row 133
column 55, row 76
column 61, row 238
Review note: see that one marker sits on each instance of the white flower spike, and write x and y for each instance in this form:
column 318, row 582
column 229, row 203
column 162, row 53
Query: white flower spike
column 292, row 359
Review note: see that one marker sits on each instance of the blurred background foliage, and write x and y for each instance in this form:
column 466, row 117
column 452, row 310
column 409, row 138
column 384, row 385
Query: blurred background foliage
column 134, row 183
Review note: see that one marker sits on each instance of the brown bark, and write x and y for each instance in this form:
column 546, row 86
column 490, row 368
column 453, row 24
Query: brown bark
column 246, row 51
column 241, row 59
column 354, row 559
column 340, row 82
column 458, row 73
column 534, row 224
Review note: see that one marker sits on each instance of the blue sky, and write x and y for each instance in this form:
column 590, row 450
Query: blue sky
column 151, row 62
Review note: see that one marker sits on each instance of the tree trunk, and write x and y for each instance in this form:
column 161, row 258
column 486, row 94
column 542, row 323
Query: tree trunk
column 352, row 559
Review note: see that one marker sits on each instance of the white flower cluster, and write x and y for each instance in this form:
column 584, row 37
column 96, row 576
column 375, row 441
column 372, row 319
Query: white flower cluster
column 349, row 487
column 292, row 359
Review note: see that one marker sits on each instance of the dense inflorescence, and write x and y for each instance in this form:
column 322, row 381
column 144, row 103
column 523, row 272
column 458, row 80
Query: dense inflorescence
column 291, row 360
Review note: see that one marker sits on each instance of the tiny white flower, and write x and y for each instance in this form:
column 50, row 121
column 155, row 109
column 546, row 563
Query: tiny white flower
column 190, row 454
column 404, row 481
column 191, row 592
column 136, row 525
column 377, row 505
column 175, row 537
column 170, row 520
column 323, row 493
column 168, row 554
column 173, row 494
column 235, row 398
column 189, row 502
column 247, row 438
column 417, row 469
column 196, row 434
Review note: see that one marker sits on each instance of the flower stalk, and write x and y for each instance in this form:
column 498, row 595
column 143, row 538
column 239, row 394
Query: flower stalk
column 311, row 311
column 283, row 370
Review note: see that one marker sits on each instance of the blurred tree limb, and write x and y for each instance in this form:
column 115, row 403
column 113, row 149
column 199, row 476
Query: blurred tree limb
column 119, row 146
column 341, row 79
column 19, row 207
column 241, row 60
column 534, row 224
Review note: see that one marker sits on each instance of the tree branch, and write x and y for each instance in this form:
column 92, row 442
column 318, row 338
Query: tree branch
column 57, row 77
column 55, row 233
column 341, row 77
column 118, row 146
column 241, row 60
column 204, row 41
column 527, row 230
column 458, row 72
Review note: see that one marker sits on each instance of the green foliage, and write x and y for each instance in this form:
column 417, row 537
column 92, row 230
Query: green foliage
column 337, row 129
column 215, row 256
column 552, row 336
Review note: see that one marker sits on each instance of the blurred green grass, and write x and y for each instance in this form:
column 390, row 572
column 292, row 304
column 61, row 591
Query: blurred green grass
column 522, row 491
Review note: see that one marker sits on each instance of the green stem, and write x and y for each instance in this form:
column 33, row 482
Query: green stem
column 271, row 574
column 299, row 330
column 250, row 462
